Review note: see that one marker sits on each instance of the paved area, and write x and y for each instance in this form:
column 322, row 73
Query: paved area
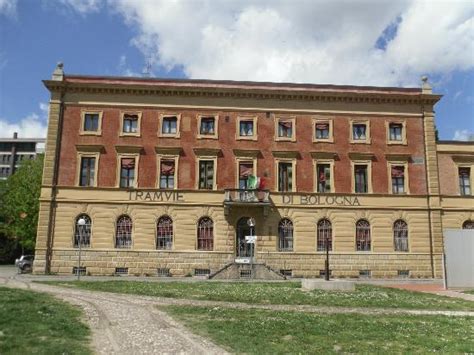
column 434, row 288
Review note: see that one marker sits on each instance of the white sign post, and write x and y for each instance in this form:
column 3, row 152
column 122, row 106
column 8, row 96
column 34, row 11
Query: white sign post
column 250, row 239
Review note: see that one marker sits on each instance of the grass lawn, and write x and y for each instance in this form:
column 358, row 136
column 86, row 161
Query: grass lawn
column 277, row 293
column 36, row 323
column 471, row 292
column 269, row 332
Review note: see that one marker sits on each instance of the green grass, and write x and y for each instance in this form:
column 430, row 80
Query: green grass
column 471, row 292
column 277, row 293
column 269, row 332
column 36, row 323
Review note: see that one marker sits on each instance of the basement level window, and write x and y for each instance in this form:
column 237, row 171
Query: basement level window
column 403, row 273
column 163, row 272
column 202, row 272
column 365, row 273
column 81, row 270
column 322, row 273
column 286, row 272
column 121, row 271
column 245, row 274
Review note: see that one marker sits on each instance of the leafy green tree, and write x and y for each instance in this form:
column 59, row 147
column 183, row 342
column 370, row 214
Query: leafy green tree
column 19, row 204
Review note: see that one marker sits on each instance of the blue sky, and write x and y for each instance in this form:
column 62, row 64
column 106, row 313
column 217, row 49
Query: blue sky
column 371, row 43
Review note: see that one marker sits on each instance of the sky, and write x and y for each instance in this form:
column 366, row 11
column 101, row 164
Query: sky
column 353, row 42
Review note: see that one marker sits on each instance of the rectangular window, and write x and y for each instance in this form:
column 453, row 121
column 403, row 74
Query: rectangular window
column 245, row 173
column 285, row 177
column 207, row 126
column 398, row 179
column 206, row 174
column 361, row 179
column 285, row 129
column 246, row 128
column 359, row 131
column 322, row 130
column 87, row 171
column 395, row 131
column 127, row 172
column 130, row 123
column 91, row 122
column 167, row 170
column 465, row 181
column 323, row 172
column 170, row 125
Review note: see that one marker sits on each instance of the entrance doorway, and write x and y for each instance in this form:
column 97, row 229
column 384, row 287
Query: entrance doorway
column 243, row 249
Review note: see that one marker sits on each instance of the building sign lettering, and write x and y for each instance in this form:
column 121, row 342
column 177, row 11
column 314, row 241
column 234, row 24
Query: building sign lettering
column 321, row 200
column 156, row 196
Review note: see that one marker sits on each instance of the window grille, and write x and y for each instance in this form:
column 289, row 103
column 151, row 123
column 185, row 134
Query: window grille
column 465, row 181
column 82, row 270
column 285, row 235
column 163, row 272
column 205, row 234
column 202, row 272
column 245, row 274
column 286, row 272
column 322, row 273
column 121, row 271
column 82, row 233
column 123, row 233
column 363, row 235
column 403, row 273
column 468, row 224
column 324, row 232
column 400, row 235
column 164, row 233
column 365, row 273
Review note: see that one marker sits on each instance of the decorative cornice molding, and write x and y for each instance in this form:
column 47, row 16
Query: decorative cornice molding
column 90, row 148
column 168, row 150
column 128, row 148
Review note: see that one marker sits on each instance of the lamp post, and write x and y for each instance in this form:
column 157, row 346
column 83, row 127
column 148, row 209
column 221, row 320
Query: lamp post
column 81, row 223
column 251, row 224
column 326, row 276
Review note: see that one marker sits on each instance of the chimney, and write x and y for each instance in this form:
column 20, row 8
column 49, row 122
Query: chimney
column 58, row 73
column 425, row 86
column 15, row 135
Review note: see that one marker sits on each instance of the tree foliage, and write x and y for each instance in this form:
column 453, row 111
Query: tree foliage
column 19, row 204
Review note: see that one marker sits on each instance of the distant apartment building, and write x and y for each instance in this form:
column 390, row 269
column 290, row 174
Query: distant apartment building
column 13, row 151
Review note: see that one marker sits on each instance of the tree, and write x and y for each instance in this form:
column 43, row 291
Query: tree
column 20, row 205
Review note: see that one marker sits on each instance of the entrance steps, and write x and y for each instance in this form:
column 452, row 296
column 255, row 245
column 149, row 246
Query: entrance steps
column 239, row 271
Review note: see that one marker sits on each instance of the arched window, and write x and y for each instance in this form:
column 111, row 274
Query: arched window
column 205, row 234
column 285, row 235
column 362, row 235
column 324, row 233
column 123, row 233
column 400, row 235
column 82, row 232
column 469, row 224
column 164, row 233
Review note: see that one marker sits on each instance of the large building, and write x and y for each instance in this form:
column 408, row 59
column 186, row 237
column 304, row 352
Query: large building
column 175, row 177
column 13, row 151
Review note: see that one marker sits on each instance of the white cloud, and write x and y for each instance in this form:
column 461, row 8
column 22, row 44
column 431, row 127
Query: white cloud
column 83, row 6
column 32, row 126
column 8, row 7
column 304, row 40
column 463, row 135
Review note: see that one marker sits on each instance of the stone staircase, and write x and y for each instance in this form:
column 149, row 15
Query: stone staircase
column 239, row 271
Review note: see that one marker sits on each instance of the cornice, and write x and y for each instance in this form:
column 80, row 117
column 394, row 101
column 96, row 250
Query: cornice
column 349, row 96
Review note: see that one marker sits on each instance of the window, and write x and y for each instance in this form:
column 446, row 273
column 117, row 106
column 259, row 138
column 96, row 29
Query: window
column 131, row 124
column 87, row 174
column 395, row 132
column 82, row 233
column 361, row 179
column 324, row 235
column 207, row 126
column 398, row 179
column 285, row 176
column 468, row 224
column 323, row 173
column 205, row 234
column 362, row 235
column 246, row 128
column 170, row 125
column 91, row 122
column 164, row 233
column 206, row 174
column 285, row 235
column 127, row 172
column 400, row 235
column 322, row 130
column 123, row 232
column 246, row 176
column 359, row 132
column 464, row 180
column 285, row 129
column 167, row 174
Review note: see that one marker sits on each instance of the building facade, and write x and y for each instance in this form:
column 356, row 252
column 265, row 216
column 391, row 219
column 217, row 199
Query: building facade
column 167, row 174
column 15, row 150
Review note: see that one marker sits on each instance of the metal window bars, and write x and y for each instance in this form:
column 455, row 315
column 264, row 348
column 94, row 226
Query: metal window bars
column 363, row 242
column 285, row 235
column 324, row 232
column 164, row 233
column 400, row 235
column 205, row 235
column 123, row 234
column 82, row 233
